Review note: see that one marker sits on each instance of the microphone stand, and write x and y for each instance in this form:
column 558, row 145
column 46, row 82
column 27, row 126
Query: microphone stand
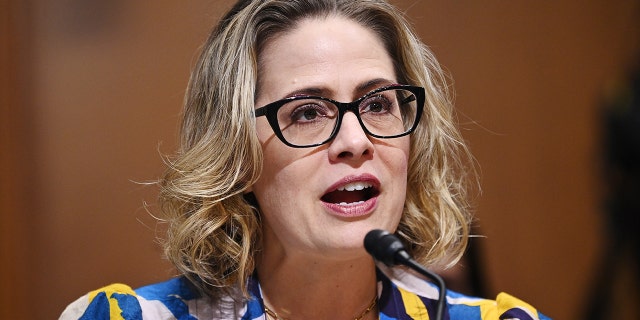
column 434, row 277
column 387, row 248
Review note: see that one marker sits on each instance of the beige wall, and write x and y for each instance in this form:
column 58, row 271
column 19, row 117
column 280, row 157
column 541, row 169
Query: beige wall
column 91, row 92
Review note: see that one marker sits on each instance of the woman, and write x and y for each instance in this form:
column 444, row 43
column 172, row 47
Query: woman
column 278, row 180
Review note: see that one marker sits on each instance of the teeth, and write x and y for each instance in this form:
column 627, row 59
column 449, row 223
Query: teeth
column 350, row 203
column 355, row 186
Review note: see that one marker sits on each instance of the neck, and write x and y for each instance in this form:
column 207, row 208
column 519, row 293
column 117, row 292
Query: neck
column 300, row 286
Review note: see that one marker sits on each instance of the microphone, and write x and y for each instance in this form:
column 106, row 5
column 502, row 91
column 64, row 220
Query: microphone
column 388, row 249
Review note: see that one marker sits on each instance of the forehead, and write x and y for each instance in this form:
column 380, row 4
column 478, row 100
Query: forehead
column 326, row 51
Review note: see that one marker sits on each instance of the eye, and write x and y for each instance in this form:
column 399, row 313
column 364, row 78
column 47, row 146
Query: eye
column 376, row 104
column 309, row 112
column 305, row 114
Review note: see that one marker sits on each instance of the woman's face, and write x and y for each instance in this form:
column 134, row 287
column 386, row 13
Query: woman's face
column 303, row 192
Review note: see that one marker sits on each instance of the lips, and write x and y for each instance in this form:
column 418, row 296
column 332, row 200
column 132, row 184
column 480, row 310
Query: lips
column 351, row 193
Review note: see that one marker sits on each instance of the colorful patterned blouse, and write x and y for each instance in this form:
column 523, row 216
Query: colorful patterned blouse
column 401, row 295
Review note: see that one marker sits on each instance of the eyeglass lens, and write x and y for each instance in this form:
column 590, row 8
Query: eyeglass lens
column 384, row 114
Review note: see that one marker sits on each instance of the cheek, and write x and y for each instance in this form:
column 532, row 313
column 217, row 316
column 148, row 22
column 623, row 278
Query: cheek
column 279, row 166
column 264, row 131
column 281, row 192
column 274, row 157
column 397, row 158
column 272, row 192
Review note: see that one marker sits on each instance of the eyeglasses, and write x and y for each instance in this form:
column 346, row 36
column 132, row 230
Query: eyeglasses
column 309, row 121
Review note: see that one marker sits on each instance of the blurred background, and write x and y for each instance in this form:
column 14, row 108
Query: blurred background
column 91, row 93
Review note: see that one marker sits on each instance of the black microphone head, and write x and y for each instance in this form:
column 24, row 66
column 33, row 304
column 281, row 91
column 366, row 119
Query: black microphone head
column 388, row 249
column 384, row 247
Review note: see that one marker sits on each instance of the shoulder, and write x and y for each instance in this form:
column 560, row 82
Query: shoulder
column 165, row 300
column 504, row 306
column 115, row 301
column 406, row 296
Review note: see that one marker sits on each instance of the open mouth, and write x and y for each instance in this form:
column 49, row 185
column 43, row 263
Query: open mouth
column 351, row 193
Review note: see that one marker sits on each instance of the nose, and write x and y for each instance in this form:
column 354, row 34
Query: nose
column 351, row 142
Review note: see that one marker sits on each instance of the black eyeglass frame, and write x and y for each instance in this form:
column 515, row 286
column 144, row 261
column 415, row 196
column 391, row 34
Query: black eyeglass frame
column 271, row 112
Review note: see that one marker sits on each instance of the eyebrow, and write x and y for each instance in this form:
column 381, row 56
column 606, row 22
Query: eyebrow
column 309, row 91
column 360, row 89
column 373, row 84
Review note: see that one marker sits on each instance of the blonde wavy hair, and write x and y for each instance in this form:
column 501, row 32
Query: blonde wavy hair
column 214, row 228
